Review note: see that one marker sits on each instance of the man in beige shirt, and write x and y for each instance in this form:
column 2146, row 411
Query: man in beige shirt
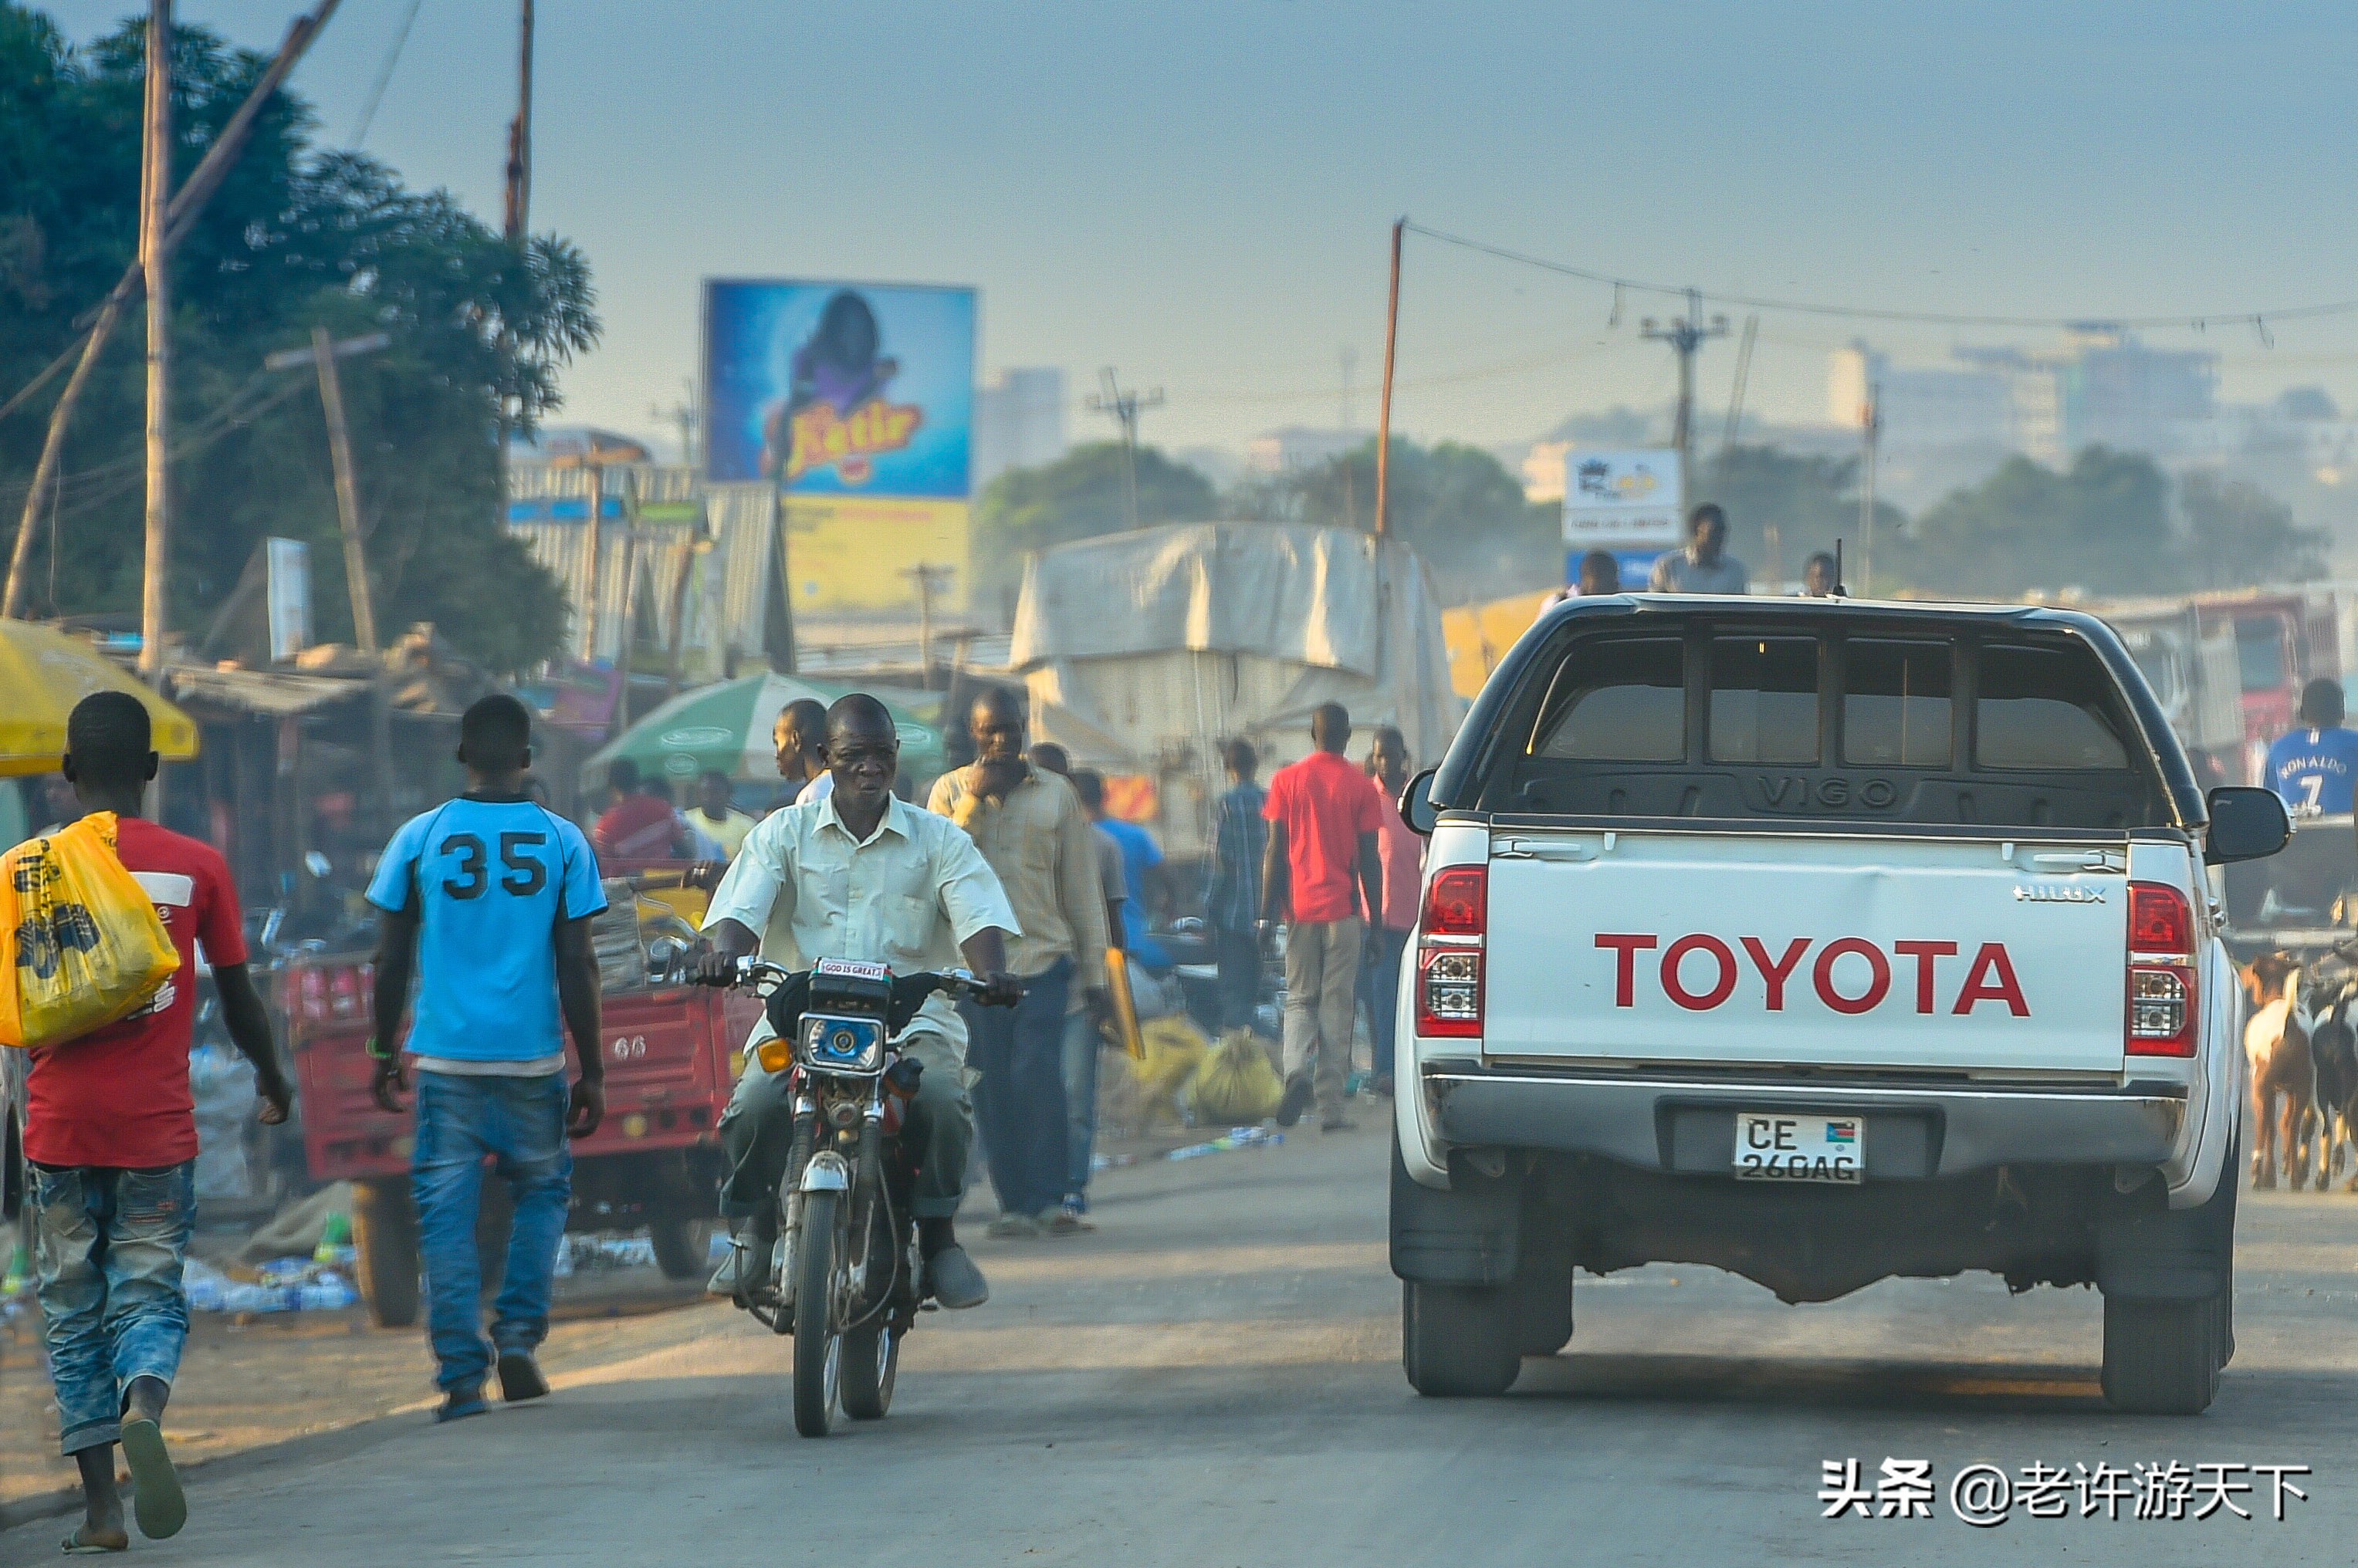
column 1032, row 831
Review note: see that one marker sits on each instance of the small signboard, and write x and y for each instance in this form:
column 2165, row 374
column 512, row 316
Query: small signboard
column 1622, row 499
column 288, row 592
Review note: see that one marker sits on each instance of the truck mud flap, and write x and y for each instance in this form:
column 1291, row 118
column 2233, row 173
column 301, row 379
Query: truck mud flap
column 2145, row 1251
column 1467, row 1236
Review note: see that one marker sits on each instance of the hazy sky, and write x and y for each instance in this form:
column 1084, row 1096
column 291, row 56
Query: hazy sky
column 1200, row 193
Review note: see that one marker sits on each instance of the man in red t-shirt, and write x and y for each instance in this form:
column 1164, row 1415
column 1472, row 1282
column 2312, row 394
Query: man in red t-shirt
column 1322, row 818
column 638, row 825
column 111, row 1130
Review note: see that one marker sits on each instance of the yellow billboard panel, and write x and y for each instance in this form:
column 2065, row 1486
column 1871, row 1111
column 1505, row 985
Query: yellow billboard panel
column 1479, row 635
column 856, row 552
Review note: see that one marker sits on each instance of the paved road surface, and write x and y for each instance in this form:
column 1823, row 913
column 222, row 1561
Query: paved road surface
column 1214, row 1380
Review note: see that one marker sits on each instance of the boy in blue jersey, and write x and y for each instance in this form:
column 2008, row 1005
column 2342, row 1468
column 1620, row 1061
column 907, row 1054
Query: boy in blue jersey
column 488, row 898
column 2315, row 766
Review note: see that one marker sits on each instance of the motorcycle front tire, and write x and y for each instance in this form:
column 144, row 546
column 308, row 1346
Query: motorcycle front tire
column 818, row 1349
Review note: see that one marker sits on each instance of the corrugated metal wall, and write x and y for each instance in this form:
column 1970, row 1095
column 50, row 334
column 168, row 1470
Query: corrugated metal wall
column 728, row 595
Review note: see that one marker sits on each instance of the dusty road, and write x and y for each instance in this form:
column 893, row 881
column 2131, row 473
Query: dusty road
column 1213, row 1378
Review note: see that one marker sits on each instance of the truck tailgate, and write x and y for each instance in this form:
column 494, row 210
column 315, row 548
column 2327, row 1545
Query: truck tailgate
column 1860, row 951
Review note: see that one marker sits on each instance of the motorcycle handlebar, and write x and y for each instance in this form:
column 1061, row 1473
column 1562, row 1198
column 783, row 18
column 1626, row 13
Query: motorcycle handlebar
column 957, row 982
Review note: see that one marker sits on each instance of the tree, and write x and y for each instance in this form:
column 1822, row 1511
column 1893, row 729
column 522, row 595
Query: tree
column 2237, row 535
column 296, row 236
column 1456, row 505
column 2101, row 524
column 1080, row 496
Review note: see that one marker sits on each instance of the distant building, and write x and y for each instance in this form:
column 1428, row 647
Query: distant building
column 1019, row 422
column 1300, row 447
column 2101, row 385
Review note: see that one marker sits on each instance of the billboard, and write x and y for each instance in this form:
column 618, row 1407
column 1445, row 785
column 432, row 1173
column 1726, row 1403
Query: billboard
column 1623, row 499
column 840, row 388
column 856, row 401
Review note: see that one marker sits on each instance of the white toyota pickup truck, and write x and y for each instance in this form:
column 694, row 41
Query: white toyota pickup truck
column 1821, row 941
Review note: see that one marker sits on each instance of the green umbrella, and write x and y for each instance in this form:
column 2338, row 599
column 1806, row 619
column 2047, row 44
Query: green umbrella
column 728, row 726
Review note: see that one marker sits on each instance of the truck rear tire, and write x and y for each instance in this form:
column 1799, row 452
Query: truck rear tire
column 681, row 1245
column 2162, row 1357
column 385, row 1252
column 1458, row 1341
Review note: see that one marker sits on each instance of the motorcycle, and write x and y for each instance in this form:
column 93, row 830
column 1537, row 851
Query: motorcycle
column 844, row 1276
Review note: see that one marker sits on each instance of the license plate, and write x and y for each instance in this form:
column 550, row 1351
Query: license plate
column 1777, row 1148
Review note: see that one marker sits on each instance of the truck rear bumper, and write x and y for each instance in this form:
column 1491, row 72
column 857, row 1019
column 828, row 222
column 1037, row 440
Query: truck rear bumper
column 1687, row 1127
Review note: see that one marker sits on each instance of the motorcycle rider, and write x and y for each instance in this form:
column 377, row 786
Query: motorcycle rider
column 862, row 876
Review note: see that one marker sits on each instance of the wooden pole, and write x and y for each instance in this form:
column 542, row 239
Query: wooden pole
column 155, row 256
column 1384, row 415
column 180, row 216
column 348, row 497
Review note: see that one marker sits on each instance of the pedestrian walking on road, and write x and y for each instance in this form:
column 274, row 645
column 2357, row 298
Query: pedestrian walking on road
column 1031, row 829
column 110, row 1132
column 488, row 900
column 1402, row 854
column 638, row 825
column 1232, row 903
column 1703, row 566
column 1322, row 823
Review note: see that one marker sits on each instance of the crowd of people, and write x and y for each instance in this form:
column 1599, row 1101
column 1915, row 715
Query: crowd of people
column 486, row 975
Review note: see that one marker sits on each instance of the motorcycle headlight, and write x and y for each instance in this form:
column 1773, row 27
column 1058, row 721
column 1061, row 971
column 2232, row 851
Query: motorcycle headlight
column 836, row 1043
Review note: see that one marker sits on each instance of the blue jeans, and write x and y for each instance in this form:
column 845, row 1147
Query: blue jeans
column 1379, row 973
column 108, row 1245
column 1081, row 1043
column 1019, row 1098
column 1238, row 953
column 519, row 1124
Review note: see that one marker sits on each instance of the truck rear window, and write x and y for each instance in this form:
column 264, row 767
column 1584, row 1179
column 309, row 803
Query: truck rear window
column 1850, row 721
column 1620, row 699
column 2042, row 709
column 1764, row 699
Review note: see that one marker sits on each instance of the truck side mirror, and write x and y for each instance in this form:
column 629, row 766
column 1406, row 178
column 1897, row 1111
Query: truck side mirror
column 1416, row 807
column 2246, row 824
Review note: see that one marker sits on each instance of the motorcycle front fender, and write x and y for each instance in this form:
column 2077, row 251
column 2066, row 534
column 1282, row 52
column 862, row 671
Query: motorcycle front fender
column 827, row 1172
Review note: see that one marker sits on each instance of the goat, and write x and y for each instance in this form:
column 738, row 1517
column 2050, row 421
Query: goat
column 2277, row 1047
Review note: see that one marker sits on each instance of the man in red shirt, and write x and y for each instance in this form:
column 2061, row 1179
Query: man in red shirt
column 638, row 825
column 1323, row 818
column 111, row 1130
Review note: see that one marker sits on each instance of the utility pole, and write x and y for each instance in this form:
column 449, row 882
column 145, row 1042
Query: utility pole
column 1685, row 334
column 929, row 579
column 1384, row 414
column 683, row 414
column 155, row 256
column 1125, row 407
column 1870, row 429
column 348, row 495
column 517, row 233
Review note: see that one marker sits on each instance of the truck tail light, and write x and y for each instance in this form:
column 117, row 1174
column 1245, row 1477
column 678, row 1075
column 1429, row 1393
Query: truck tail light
column 2162, row 1000
column 1449, row 953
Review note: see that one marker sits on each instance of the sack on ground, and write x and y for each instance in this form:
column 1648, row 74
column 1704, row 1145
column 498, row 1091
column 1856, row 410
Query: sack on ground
column 1236, row 1084
column 1175, row 1048
column 81, row 943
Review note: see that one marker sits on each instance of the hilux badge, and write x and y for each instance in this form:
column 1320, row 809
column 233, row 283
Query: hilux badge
column 2056, row 892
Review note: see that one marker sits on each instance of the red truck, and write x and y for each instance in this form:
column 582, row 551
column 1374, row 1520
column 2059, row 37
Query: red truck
column 672, row 1055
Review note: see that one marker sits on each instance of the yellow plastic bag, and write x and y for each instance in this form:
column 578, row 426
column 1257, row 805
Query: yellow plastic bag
column 81, row 943
column 1237, row 1086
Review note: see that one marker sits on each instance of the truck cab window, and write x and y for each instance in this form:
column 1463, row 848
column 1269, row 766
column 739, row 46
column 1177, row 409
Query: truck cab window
column 1896, row 704
column 1616, row 699
column 1764, row 700
column 2045, row 709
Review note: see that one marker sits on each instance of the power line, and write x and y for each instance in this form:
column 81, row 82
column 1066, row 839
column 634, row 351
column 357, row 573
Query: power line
column 2196, row 319
column 384, row 76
